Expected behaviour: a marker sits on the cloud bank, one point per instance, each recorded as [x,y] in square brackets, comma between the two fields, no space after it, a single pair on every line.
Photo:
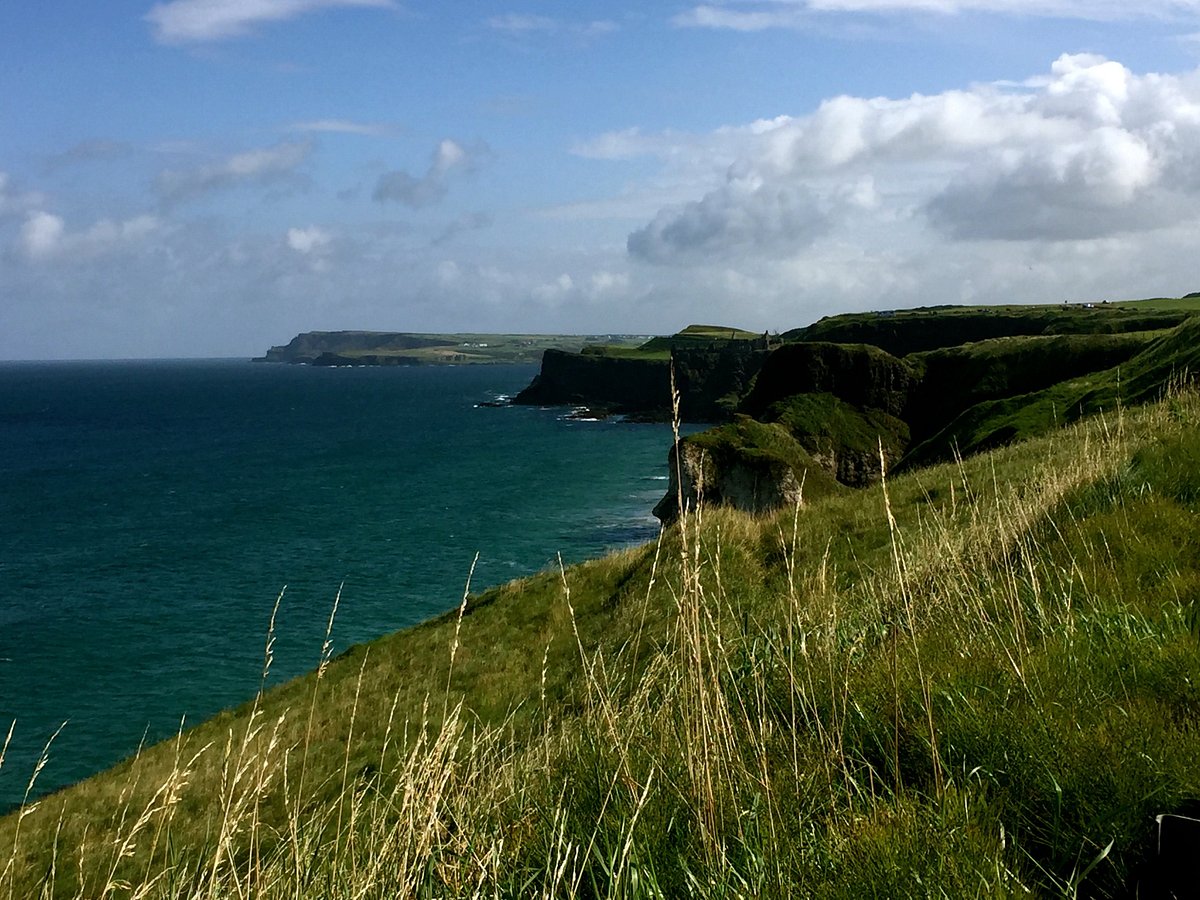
[1088,151]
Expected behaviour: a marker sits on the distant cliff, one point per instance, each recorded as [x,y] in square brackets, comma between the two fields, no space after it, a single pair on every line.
[401,348]
[312,345]
[712,373]
[637,385]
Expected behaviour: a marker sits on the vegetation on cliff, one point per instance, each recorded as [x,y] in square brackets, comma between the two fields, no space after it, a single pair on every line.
[1023,371]
[399,348]
[977,679]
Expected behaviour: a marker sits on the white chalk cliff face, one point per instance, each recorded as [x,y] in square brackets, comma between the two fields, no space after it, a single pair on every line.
[751,484]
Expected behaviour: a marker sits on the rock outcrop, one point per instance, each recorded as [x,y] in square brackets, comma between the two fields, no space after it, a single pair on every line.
[754,483]
[711,379]
[618,384]
[749,465]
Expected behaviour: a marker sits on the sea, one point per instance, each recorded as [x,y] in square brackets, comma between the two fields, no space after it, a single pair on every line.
[151,512]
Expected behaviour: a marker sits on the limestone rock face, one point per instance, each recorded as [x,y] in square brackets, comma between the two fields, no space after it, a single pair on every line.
[752,484]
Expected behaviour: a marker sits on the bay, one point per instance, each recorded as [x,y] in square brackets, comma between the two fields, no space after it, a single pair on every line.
[151,512]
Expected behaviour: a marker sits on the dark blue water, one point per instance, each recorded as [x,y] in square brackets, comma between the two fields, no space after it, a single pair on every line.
[150,512]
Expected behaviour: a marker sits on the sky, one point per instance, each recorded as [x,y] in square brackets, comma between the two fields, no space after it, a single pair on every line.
[207,178]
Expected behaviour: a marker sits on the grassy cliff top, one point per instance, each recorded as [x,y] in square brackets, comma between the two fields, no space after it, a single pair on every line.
[377,347]
[902,332]
[978,679]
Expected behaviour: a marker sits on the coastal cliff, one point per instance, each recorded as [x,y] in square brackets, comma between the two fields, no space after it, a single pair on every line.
[310,346]
[711,376]
[851,411]
[630,385]
[402,348]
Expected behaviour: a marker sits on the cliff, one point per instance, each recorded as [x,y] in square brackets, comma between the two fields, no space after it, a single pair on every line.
[401,348]
[712,373]
[860,375]
[901,332]
[311,345]
[637,385]
[818,415]
[1167,361]
[842,404]
[746,464]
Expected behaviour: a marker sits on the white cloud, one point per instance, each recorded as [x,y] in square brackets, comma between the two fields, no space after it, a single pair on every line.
[342,126]
[41,235]
[267,165]
[44,236]
[740,217]
[197,21]
[760,15]
[554,291]
[450,160]
[1086,151]
[605,282]
[308,240]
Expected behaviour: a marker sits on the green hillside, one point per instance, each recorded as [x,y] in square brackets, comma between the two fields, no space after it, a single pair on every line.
[977,679]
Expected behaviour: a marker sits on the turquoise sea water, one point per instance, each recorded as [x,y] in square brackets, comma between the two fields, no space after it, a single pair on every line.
[150,512]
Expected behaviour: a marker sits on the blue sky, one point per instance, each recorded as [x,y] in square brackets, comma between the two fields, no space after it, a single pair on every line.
[209,177]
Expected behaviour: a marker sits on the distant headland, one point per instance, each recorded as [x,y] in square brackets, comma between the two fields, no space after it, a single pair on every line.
[402,348]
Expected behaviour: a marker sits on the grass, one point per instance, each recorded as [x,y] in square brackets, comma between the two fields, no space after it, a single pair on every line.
[699,336]
[902,332]
[954,379]
[383,348]
[980,679]
[1169,357]
[617,352]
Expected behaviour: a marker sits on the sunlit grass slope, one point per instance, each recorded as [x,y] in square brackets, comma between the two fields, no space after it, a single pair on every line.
[976,680]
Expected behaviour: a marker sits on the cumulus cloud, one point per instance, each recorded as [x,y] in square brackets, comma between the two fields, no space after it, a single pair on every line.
[198,21]
[1087,150]
[760,15]
[450,160]
[308,240]
[44,235]
[738,218]
[269,165]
